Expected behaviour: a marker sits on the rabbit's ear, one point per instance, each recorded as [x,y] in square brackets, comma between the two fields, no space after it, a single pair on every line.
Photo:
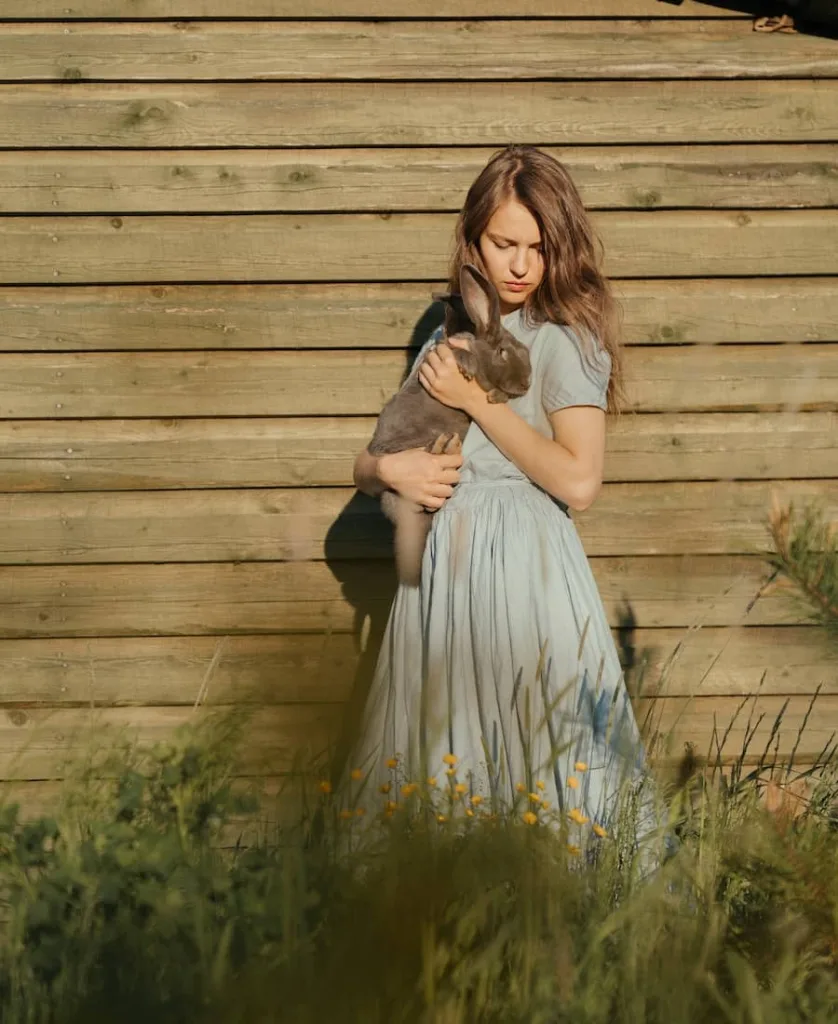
[480,299]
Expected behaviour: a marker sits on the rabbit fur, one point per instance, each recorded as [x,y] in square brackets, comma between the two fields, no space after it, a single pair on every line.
[414,419]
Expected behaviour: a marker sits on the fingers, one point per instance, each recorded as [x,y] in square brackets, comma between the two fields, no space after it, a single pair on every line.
[440,356]
[426,379]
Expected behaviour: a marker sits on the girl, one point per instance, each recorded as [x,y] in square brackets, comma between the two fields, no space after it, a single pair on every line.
[500,667]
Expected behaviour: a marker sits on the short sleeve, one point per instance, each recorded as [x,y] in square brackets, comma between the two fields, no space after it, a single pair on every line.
[571,376]
[437,335]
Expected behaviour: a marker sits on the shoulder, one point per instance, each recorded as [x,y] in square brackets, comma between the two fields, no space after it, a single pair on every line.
[562,345]
[572,372]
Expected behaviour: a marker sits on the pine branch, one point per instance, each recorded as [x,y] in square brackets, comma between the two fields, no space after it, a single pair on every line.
[805,557]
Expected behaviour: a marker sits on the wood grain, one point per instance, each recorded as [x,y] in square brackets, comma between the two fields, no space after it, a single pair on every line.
[287,668]
[334,247]
[285,114]
[291,525]
[434,180]
[35,743]
[387,315]
[177,454]
[386,50]
[330,9]
[678,591]
[73,385]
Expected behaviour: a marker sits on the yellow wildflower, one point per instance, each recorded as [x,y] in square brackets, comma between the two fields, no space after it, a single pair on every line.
[356,774]
[450,759]
[345,814]
[534,798]
[573,849]
[529,817]
[573,782]
[540,785]
[461,787]
[441,817]
[360,811]
[450,771]
[432,780]
[392,805]
[325,786]
[521,788]
[385,788]
[598,830]
[469,813]
[392,762]
[408,788]
[477,800]
[545,805]
[581,766]
[577,816]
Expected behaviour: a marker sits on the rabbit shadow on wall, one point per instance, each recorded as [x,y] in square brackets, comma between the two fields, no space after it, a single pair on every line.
[359,554]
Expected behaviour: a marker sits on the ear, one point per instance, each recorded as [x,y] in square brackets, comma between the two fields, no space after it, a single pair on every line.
[480,299]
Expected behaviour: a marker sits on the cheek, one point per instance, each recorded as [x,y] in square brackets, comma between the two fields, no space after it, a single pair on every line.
[494,262]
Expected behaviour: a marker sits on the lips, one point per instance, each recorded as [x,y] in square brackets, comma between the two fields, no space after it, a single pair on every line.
[515,286]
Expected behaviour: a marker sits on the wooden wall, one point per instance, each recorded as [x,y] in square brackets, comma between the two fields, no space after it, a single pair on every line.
[219,237]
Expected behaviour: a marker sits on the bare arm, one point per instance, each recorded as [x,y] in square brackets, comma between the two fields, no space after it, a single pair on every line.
[425,479]
[569,467]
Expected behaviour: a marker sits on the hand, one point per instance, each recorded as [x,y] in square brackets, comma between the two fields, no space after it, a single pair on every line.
[441,378]
[425,479]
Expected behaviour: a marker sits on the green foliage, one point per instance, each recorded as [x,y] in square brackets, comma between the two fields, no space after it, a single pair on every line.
[805,558]
[138,901]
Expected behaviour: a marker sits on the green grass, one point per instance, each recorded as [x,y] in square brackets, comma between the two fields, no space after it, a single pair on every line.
[136,903]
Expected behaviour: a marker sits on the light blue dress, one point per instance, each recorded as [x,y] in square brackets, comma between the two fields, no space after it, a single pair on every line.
[503,656]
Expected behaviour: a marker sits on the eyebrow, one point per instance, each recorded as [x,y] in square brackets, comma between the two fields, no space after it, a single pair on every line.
[511,241]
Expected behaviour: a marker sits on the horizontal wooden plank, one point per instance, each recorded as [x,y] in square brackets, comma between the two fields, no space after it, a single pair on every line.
[254,247]
[35,743]
[416,114]
[292,181]
[309,668]
[114,455]
[327,9]
[266,597]
[169,670]
[138,51]
[260,383]
[294,525]
[308,247]
[740,661]
[719,726]
[301,316]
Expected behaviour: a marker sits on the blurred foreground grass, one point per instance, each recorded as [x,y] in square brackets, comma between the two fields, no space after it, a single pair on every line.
[135,903]
[152,894]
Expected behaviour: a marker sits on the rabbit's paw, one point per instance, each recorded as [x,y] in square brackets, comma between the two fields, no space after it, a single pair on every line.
[439,447]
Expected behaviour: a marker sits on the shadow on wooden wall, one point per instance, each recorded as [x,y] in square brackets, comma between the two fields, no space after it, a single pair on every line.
[370,605]
[811,17]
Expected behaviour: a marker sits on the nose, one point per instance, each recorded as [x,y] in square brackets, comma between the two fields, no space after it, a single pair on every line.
[520,262]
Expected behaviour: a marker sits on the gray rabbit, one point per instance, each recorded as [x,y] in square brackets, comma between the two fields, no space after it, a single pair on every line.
[414,419]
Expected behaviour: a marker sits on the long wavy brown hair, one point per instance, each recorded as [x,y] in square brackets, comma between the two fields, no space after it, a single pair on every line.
[574,291]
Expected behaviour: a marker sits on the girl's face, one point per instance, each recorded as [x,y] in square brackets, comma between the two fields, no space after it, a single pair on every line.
[512,253]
